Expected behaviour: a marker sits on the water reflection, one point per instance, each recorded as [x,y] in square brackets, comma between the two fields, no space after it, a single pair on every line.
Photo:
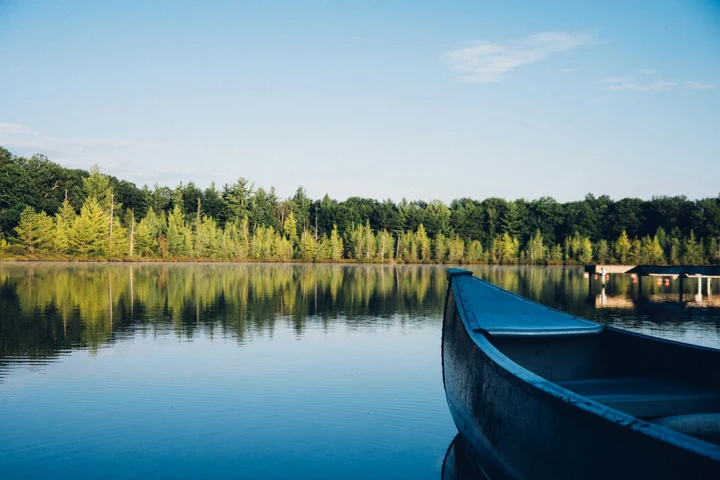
[459,464]
[47,310]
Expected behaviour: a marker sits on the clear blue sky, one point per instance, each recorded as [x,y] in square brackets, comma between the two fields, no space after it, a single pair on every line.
[413,99]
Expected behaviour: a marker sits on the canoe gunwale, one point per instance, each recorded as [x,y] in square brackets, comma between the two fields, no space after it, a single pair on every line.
[540,387]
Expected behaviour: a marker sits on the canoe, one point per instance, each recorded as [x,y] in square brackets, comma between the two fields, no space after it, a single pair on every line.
[539,393]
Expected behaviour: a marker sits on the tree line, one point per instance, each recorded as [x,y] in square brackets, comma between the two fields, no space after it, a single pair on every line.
[47,211]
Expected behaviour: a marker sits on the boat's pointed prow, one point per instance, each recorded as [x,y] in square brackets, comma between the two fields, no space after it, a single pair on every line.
[456,272]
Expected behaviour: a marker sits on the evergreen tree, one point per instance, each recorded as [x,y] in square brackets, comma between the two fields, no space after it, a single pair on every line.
[585,255]
[536,249]
[693,251]
[35,230]
[511,222]
[290,228]
[474,252]
[145,242]
[556,255]
[117,244]
[89,232]
[456,249]
[176,233]
[369,243]
[385,245]
[657,255]
[622,248]
[407,247]
[509,248]
[423,243]
[96,185]
[635,256]
[207,241]
[441,248]
[308,246]
[603,252]
[64,219]
[336,244]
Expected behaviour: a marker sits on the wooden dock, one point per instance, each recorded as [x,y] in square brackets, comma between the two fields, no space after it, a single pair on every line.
[702,271]
[598,269]
[680,272]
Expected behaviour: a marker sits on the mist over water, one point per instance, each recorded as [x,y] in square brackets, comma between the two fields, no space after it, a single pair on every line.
[260,370]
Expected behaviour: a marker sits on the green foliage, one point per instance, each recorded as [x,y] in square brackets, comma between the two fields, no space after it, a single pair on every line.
[536,249]
[96,185]
[693,251]
[239,222]
[622,248]
[35,230]
[308,246]
[336,245]
[90,229]
[423,244]
[178,233]
[603,252]
[385,245]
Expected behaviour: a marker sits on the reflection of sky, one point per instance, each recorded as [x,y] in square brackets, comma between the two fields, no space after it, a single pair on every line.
[333,404]
[354,392]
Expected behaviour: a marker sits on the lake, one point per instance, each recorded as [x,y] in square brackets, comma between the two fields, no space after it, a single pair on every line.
[261,370]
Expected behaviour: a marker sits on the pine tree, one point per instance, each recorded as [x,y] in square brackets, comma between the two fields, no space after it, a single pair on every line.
[635,256]
[35,230]
[693,251]
[441,248]
[176,233]
[622,248]
[336,244]
[511,222]
[556,255]
[308,246]
[144,240]
[118,243]
[509,248]
[290,228]
[474,252]
[96,185]
[357,240]
[369,243]
[423,243]
[585,255]
[90,229]
[536,249]
[407,247]
[64,219]
[456,249]
[657,255]
[385,245]
[603,252]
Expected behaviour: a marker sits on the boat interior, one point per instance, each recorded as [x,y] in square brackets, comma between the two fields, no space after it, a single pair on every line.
[667,383]
[662,382]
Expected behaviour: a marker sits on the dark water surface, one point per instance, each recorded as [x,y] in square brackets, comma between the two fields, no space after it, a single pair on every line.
[260,371]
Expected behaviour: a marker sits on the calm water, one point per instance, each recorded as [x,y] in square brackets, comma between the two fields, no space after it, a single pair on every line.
[259,371]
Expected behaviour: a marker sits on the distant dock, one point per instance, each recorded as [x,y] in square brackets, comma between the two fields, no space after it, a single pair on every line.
[687,271]
[668,271]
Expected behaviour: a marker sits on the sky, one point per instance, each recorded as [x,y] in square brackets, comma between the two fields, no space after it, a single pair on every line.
[417,99]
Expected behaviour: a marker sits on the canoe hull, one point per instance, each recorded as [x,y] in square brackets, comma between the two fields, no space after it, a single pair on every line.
[531,432]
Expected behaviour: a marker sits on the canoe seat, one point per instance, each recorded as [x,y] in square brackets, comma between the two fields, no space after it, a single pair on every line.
[647,397]
[705,426]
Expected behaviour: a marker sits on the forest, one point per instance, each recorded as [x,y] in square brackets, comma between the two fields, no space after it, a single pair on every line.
[49,212]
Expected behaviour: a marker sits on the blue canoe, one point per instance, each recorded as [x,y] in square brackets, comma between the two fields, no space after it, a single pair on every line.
[538,393]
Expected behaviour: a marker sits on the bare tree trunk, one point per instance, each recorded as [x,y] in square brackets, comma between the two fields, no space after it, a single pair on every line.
[132,233]
[112,212]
